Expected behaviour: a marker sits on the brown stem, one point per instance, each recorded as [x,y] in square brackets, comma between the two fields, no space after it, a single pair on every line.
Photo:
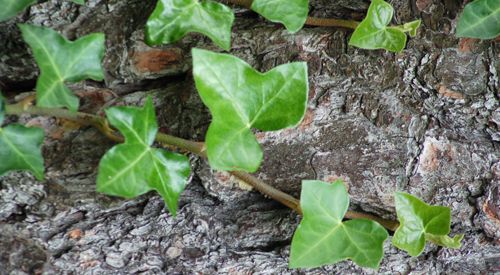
[197,148]
[269,191]
[81,118]
[244,3]
[188,145]
[330,22]
[389,224]
[311,21]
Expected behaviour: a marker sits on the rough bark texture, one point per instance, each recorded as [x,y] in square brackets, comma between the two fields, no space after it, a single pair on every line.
[426,121]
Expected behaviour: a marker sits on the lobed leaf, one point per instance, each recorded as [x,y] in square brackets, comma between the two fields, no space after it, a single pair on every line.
[323,238]
[480,19]
[420,222]
[374,31]
[241,98]
[9,8]
[61,60]
[173,19]
[134,167]
[291,13]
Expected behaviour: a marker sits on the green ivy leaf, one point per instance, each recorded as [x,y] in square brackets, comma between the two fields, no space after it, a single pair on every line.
[173,19]
[411,27]
[20,149]
[323,238]
[291,13]
[374,31]
[420,222]
[480,19]
[12,7]
[61,60]
[79,2]
[241,98]
[444,240]
[134,167]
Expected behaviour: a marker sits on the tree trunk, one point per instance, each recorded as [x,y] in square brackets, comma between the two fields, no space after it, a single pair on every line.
[425,121]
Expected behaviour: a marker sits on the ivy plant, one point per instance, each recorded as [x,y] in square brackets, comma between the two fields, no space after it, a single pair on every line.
[134,167]
[173,19]
[323,238]
[61,60]
[421,222]
[291,13]
[480,19]
[241,98]
[374,31]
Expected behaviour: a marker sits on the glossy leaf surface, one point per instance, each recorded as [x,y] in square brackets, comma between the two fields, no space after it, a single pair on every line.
[291,13]
[323,238]
[61,60]
[480,19]
[420,222]
[134,167]
[241,98]
[374,31]
[9,8]
[20,149]
[173,19]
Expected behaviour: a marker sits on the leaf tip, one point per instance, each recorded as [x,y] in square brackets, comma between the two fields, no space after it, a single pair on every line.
[172,210]
[226,46]
[39,176]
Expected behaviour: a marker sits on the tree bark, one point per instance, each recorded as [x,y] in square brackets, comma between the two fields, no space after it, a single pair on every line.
[425,121]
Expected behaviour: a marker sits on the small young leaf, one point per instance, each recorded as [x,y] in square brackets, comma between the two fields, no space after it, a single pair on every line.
[134,167]
[61,60]
[20,149]
[480,19]
[411,27]
[374,33]
[173,19]
[291,13]
[240,98]
[9,8]
[444,240]
[420,222]
[323,238]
